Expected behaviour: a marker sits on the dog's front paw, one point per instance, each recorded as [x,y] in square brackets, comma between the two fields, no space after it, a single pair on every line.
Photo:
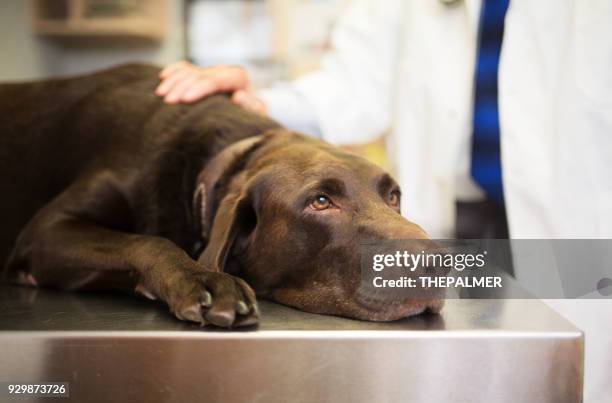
[212,298]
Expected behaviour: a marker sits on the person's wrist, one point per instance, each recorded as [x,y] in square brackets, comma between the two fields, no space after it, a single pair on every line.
[250,101]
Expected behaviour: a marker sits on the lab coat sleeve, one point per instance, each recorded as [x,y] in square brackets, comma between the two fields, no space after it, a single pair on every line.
[348,100]
[289,107]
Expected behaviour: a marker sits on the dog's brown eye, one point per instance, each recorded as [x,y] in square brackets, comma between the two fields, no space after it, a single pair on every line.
[321,202]
[394,198]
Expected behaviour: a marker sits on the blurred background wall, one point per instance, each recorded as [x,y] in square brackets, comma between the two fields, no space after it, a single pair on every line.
[27,53]
[274,38]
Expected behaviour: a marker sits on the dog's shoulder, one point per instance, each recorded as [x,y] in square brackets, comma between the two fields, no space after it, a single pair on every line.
[131,72]
[123,76]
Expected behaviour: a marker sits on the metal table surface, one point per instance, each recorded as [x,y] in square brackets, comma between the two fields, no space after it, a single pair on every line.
[122,348]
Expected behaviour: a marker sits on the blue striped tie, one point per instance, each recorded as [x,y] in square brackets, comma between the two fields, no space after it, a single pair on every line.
[486,163]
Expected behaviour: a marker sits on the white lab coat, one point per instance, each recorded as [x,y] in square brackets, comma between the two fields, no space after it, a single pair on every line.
[408,66]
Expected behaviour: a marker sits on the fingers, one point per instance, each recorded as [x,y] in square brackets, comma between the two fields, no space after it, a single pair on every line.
[176,94]
[198,90]
[171,68]
[171,81]
[182,82]
[212,82]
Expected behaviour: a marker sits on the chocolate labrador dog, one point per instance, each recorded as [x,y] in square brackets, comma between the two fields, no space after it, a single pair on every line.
[204,206]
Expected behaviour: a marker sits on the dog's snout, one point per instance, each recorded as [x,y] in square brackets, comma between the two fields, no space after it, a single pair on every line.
[388,225]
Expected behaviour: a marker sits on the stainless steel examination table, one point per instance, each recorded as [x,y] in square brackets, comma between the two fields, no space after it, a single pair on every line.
[114,348]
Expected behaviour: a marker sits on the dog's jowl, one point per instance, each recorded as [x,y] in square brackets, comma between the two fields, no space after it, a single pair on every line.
[203,206]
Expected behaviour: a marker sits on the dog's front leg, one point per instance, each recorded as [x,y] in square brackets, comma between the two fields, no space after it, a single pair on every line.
[62,250]
[72,254]
[191,292]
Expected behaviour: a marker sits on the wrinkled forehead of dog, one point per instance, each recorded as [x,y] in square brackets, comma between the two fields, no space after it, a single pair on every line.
[297,161]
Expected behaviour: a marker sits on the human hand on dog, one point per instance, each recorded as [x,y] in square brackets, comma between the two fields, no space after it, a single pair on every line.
[183,82]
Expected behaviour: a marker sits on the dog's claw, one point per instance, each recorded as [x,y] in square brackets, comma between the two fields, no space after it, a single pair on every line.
[256,311]
[242,308]
[206,300]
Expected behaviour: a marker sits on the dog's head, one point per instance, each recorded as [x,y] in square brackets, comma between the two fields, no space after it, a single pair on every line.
[288,214]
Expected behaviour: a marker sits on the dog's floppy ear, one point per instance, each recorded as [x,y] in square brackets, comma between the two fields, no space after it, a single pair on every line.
[220,226]
[234,210]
